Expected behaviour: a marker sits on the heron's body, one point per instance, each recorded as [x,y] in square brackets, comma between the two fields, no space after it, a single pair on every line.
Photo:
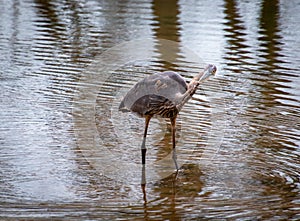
[162,94]
[155,95]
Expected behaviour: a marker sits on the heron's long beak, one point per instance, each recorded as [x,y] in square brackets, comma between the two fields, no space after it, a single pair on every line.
[208,71]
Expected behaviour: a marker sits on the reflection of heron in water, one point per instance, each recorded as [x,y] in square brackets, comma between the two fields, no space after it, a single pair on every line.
[162,94]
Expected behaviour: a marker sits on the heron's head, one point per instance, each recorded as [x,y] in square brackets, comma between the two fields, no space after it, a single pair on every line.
[208,71]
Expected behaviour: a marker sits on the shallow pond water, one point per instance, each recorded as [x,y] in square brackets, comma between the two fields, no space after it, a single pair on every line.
[66,152]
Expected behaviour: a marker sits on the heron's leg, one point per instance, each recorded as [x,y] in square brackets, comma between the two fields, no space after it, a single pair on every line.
[173,127]
[143,183]
[144,150]
[143,147]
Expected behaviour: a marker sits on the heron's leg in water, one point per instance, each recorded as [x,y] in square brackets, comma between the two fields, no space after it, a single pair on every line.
[173,127]
[143,183]
[143,147]
[144,150]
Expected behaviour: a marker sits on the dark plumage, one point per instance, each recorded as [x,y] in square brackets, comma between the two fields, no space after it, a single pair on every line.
[155,95]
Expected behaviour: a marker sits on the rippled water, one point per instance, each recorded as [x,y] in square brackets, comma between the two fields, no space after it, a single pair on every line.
[67,153]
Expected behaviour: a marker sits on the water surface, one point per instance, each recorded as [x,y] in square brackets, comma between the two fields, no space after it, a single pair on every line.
[67,153]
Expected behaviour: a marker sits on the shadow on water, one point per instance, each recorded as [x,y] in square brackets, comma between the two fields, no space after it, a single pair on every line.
[167,26]
[173,189]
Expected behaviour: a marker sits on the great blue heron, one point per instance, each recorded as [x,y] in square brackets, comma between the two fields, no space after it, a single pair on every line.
[162,94]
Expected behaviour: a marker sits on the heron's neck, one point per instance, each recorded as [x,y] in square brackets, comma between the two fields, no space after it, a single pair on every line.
[197,78]
[192,87]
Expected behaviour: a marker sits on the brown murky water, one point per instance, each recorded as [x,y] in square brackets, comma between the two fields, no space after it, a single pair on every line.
[67,153]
